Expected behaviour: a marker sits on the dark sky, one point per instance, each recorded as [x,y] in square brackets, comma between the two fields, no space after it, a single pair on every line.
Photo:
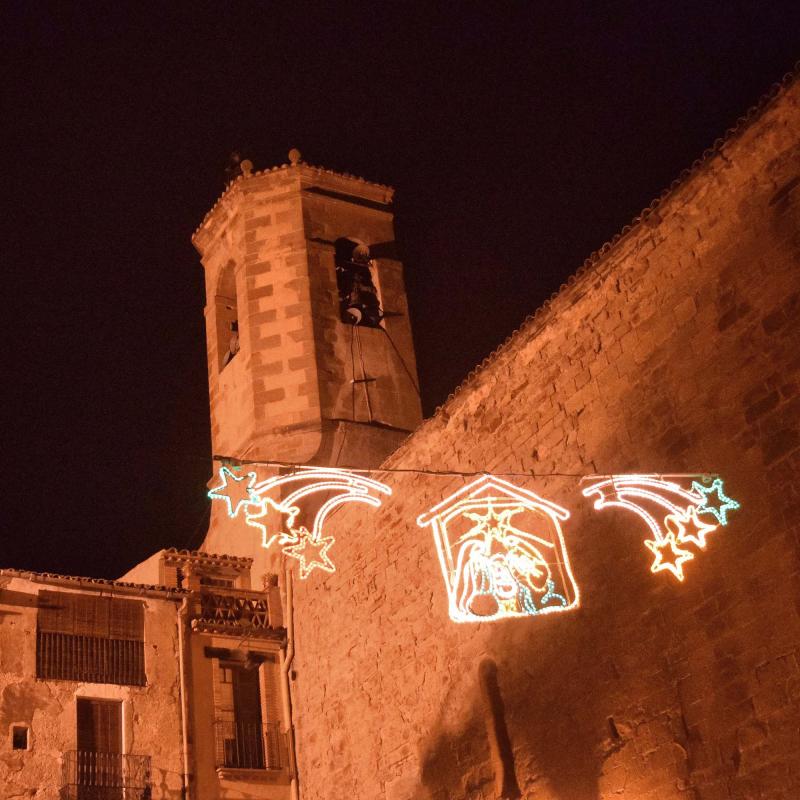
[519,137]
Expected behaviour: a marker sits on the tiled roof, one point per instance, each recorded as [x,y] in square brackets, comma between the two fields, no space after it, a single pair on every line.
[212,559]
[91,583]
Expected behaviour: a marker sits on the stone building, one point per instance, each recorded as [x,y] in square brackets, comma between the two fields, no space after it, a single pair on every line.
[234,676]
[577,581]
[90,688]
[670,361]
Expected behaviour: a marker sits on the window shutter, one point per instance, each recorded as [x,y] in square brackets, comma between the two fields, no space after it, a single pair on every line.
[169,575]
[272,688]
[90,638]
[126,620]
[90,615]
[55,612]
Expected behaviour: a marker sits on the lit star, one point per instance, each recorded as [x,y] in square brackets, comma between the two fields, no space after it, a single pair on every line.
[491,523]
[676,523]
[265,507]
[673,561]
[311,553]
[236,492]
[719,509]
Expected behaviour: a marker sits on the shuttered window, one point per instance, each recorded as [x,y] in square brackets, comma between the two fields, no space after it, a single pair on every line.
[247,723]
[89,638]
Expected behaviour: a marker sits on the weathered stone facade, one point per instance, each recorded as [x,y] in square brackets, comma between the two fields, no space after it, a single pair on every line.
[675,349]
[44,711]
[303,387]
[228,625]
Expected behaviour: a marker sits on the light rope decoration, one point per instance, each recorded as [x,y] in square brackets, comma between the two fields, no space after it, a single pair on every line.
[493,569]
[677,517]
[309,547]
[679,511]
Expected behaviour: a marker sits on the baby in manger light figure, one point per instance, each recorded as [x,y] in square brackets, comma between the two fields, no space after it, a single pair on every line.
[499,569]
[495,569]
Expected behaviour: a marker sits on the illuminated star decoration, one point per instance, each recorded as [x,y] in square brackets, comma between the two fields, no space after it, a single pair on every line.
[671,512]
[492,569]
[341,485]
[719,509]
[668,555]
[311,552]
[258,519]
[688,528]
[235,491]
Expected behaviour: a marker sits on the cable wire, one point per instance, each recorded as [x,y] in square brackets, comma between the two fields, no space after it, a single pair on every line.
[402,361]
[296,468]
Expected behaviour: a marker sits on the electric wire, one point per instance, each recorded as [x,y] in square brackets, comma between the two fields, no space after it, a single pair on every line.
[353,372]
[298,468]
[352,401]
[402,361]
[364,378]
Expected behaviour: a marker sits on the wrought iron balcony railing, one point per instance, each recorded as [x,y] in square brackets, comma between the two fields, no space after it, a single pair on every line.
[249,745]
[105,776]
[232,611]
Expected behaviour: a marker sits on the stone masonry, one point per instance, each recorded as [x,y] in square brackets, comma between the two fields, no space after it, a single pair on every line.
[675,349]
[295,390]
[47,708]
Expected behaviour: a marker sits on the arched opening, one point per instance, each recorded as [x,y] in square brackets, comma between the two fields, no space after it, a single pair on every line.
[227,317]
[359,302]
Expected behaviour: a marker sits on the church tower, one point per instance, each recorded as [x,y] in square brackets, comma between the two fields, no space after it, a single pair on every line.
[310,356]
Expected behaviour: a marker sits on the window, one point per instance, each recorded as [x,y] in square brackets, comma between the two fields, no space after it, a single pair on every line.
[19,737]
[99,755]
[247,727]
[225,583]
[358,296]
[98,769]
[227,317]
[90,638]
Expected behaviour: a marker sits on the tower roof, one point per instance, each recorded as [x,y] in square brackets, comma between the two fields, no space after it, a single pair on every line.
[342,183]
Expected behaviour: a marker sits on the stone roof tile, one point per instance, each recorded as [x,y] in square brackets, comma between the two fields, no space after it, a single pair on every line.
[94,583]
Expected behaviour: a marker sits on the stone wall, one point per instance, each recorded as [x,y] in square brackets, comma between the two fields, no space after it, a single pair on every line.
[675,350]
[303,387]
[151,715]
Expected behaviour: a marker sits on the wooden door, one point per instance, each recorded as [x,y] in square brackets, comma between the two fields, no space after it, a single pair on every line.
[99,749]
[247,713]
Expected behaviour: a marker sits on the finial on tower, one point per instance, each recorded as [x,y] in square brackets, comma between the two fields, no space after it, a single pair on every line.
[237,166]
[294,156]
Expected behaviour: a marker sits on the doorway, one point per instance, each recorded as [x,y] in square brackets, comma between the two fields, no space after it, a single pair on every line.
[99,757]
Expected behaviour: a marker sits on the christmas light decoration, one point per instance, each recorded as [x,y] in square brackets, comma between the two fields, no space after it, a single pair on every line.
[673,561]
[309,547]
[725,503]
[492,568]
[671,512]
[312,553]
[235,491]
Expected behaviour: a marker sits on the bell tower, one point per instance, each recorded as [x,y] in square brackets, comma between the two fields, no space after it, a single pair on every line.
[310,356]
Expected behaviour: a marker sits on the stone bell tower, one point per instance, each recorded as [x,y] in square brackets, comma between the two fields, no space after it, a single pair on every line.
[310,356]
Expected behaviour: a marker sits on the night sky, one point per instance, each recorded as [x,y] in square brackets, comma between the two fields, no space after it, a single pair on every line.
[519,137]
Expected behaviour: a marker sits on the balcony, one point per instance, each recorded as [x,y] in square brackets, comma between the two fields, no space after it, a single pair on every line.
[104,776]
[233,611]
[249,745]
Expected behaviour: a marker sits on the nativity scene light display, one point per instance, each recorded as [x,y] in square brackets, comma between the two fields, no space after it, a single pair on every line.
[500,547]
[502,552]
